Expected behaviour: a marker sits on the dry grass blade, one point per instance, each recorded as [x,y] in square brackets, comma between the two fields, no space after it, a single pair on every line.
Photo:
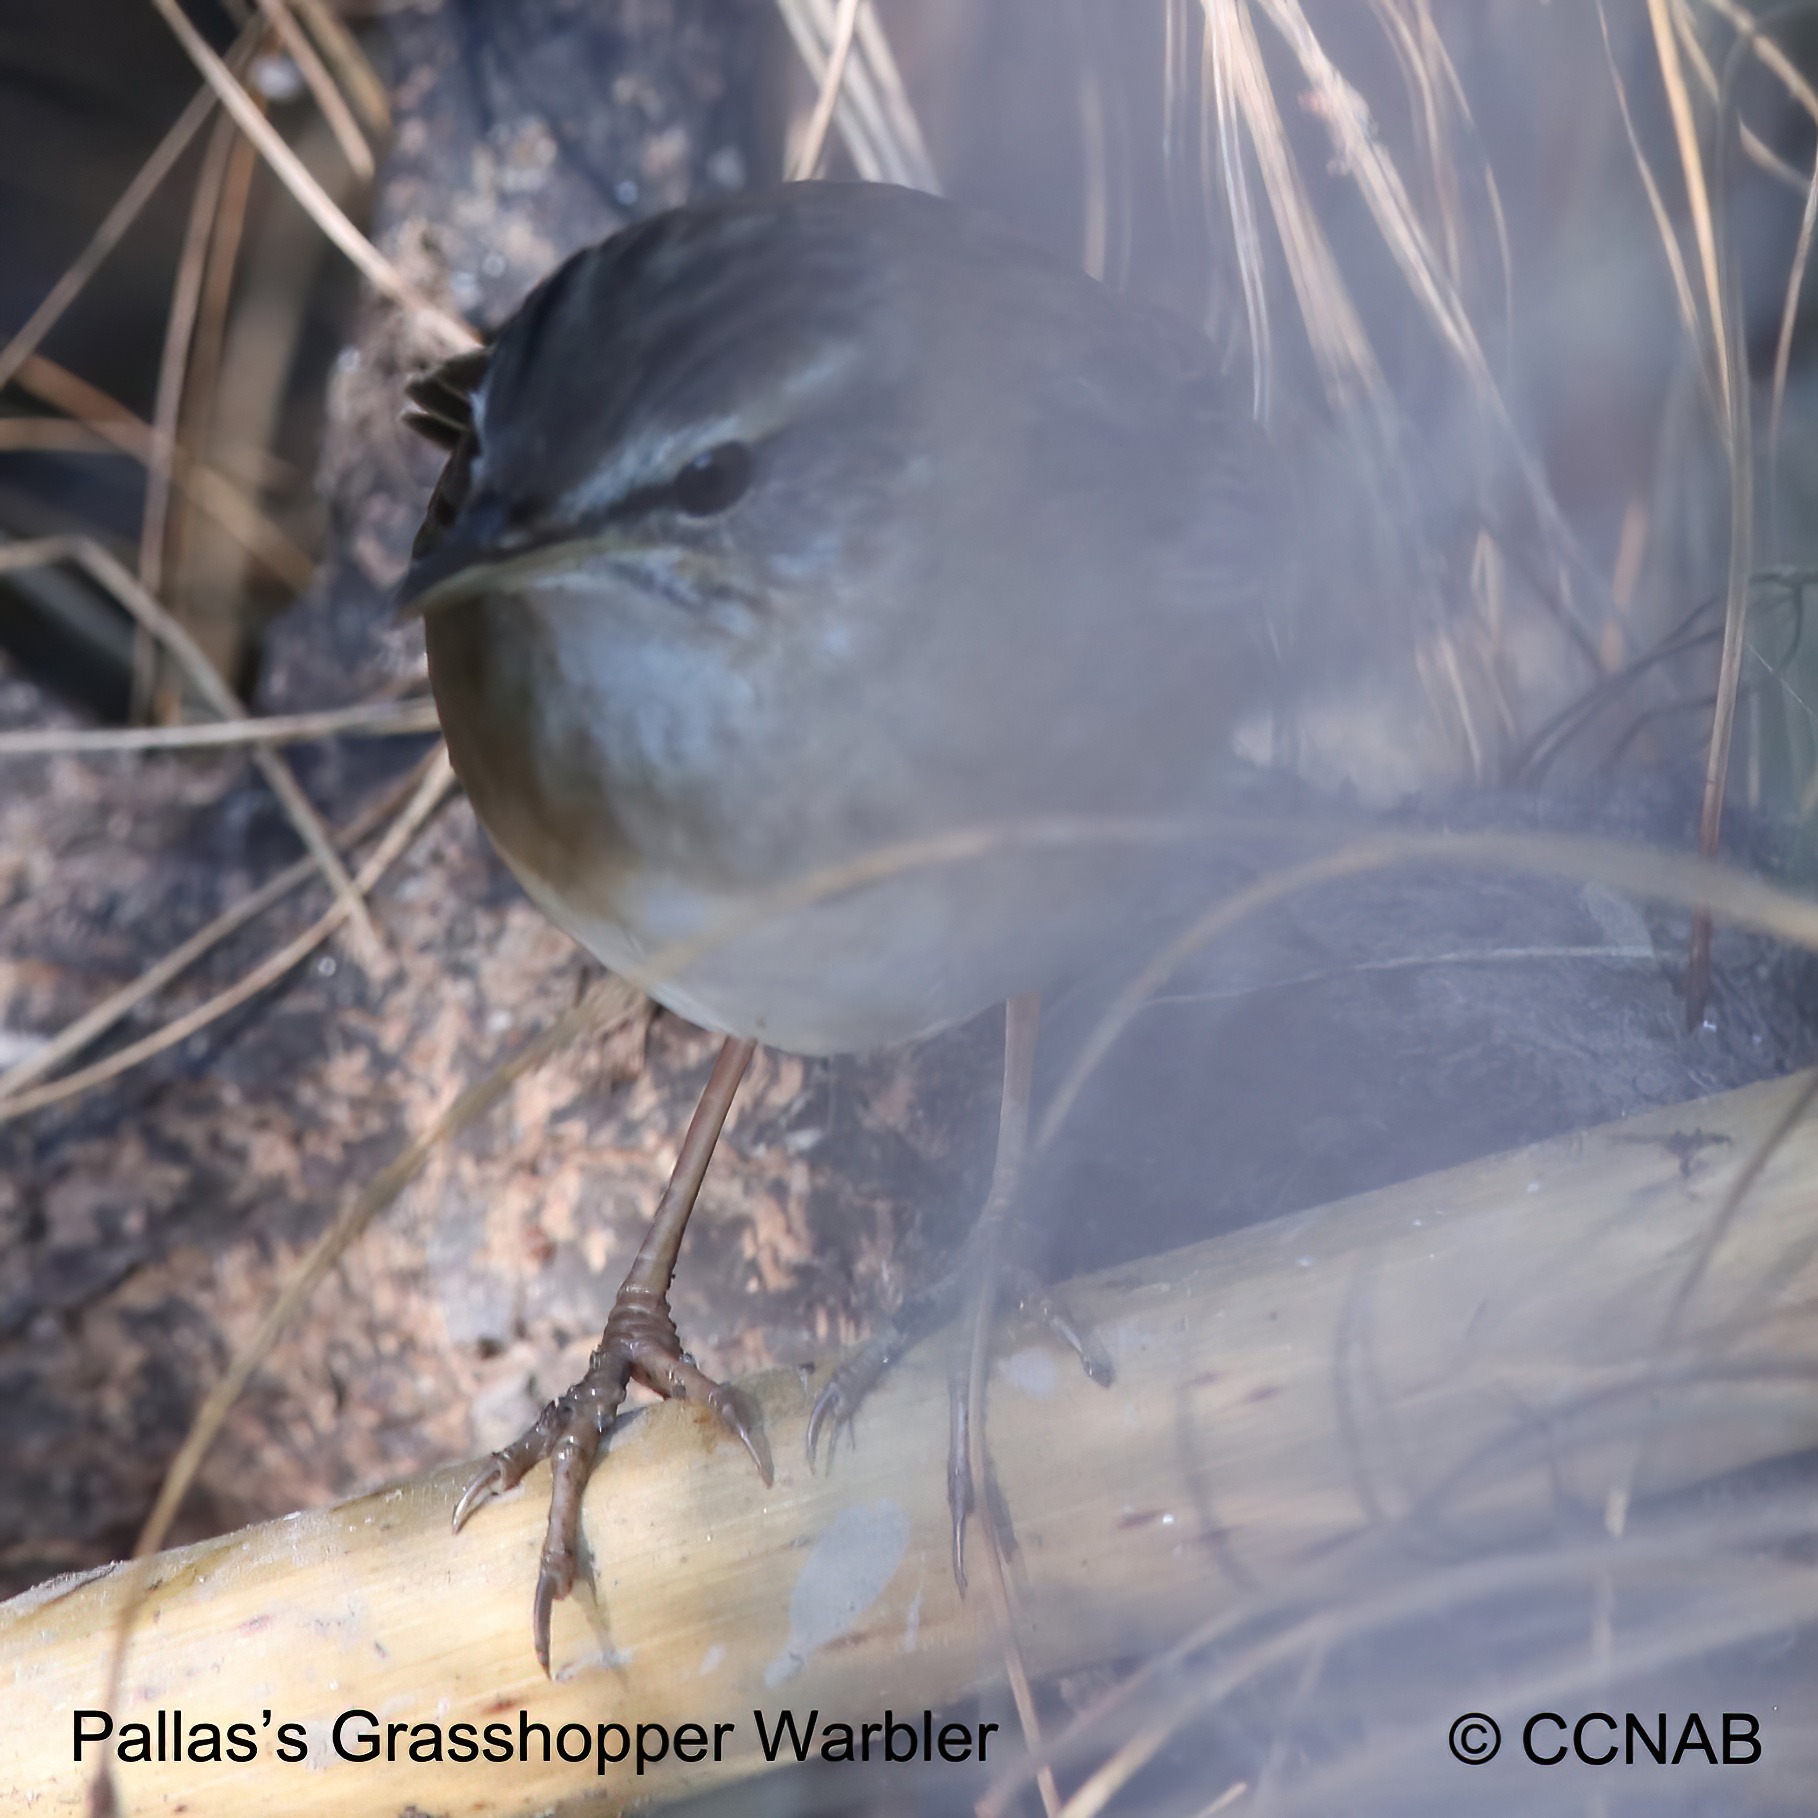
[114,223]
[877,125]
[1696,883]
[1224,164]
[1698,202]
[94,1023]
[179,327]
[435,785]
[310,195]
[322,89]
[212,491]
[357,75]
[1732,333]
[1757,152]
[1177,91]
[1669,240]
[1347,363]
[1413,50]
[814,140]
[1363,156]
[1347,121]
[1446,113]
[904,133]
[1738,1619]
[1783,347]
[1772,56]
[202,673]
[52,435]
[369,719]
[109,573]
[810,28]
[1095,148]
[153,695]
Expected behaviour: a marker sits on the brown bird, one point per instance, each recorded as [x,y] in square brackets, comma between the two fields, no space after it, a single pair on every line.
[789,530]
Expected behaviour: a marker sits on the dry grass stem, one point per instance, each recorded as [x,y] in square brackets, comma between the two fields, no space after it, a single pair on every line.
[1771,55]
[1341,348]
[153,694]
[1732,332]
[1095,151]
[322,89]
[53,435]
[814,140]
[903,131]
[351,65]
[1423,65]
[1669,238]
[310,195]
[173,364]
[94,1023]
[1222,163]
[1367,161]
[429,794]
[117,220]
[1695,883]
[368,719]
[214,492]
[877,124]
[111,574]
[1752,146]
[1698,202]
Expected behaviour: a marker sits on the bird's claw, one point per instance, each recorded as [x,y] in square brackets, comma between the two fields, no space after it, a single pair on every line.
[837,1405]
[1036,1301]
[959,1470]
[640,1341]
[482,1487]
[729,1407]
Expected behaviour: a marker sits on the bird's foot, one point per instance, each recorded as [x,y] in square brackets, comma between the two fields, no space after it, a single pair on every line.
[845,1390]
[1034,1301]
[640,1340]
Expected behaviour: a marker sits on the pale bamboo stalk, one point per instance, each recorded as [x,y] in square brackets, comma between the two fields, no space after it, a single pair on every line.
[1280,1392]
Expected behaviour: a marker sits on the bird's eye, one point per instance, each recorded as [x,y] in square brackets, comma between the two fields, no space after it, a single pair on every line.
[714,480]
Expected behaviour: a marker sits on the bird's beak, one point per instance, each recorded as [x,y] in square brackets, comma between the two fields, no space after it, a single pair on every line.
[459,562]
[478,554]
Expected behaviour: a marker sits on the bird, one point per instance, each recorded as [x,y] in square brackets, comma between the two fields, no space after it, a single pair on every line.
[797,527]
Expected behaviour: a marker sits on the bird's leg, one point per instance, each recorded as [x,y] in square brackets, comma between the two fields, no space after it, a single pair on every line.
[978,1259]
[639,1340]
[966,1439]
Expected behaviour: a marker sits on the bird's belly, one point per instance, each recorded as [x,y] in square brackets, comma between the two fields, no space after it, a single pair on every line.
[743,922]
[866,968]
